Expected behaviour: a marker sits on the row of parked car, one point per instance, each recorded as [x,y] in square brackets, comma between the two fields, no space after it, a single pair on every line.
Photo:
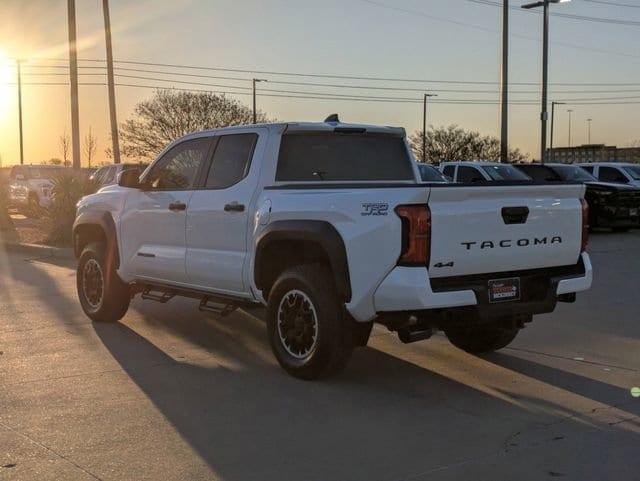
[612,189]
[30,186]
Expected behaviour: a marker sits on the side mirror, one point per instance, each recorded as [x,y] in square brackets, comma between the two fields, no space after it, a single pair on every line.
[129,178]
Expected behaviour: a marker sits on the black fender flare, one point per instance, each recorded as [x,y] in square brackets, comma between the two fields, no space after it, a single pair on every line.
[319,232]
[104,221]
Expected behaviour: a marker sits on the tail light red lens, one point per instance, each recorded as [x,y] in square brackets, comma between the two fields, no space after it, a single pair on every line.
[416,234]
[585,225]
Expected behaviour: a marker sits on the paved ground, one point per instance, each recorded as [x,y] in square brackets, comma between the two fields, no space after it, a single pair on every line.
[171,394]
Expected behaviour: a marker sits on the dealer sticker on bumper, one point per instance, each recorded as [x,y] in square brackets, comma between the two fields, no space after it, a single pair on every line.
[503,290]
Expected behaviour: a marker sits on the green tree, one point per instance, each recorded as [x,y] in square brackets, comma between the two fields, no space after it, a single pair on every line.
[169,115]
[452,143]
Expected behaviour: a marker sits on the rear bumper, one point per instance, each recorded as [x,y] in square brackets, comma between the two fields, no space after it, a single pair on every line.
[408,289]
[611,216]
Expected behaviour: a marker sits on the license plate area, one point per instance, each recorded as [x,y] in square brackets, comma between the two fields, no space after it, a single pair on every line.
[504,290]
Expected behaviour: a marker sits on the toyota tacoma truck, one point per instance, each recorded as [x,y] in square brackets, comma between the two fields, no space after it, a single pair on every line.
[331,228]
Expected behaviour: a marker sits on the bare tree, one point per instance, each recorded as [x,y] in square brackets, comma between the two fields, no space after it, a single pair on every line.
[65,147]
[90,145]
[446,144]
[634,143]
[169,115]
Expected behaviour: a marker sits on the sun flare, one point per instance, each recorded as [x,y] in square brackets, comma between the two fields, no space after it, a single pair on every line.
[6,74]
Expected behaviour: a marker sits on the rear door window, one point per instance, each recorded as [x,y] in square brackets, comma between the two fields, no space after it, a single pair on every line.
[611,174]
[540,173]
[449,171]
[331,156]
[231,160]
[468,175]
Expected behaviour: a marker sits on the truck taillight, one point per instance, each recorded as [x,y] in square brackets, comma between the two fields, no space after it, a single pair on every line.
[585,225]
[416,234]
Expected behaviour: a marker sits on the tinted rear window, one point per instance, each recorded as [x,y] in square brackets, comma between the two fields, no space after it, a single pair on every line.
[572,172]
[505,172]
[540,173]
[343,157]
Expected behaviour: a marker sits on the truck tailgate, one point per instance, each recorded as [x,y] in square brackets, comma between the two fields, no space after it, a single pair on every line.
[493,228]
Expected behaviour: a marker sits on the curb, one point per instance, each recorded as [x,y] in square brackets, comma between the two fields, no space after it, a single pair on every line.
[39,250]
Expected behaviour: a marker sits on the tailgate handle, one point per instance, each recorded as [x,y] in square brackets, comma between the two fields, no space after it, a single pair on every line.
[515,215]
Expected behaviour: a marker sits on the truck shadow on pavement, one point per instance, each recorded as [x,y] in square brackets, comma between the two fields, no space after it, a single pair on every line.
[247,419]
[586,387]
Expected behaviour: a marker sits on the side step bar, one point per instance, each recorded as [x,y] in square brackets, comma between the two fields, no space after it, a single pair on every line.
[216,303]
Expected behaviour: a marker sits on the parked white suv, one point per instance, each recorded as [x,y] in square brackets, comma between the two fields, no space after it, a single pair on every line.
[30,187]
[330,226]
[614,172]
[469,172]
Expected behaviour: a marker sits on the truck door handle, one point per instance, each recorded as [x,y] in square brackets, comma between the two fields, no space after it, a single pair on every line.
[177,206]
[515,215]
[234,207]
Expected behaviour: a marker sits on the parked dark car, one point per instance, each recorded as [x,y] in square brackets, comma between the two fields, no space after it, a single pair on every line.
[610,205]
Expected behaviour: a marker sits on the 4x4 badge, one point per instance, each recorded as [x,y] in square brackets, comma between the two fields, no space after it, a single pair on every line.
[440,265]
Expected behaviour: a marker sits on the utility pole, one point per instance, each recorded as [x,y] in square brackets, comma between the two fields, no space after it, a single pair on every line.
[569,112]
[424,126]
[553,116]
[73,75]
[504,117]
[111,85]
[255,112]
[20,110]
[545,70]
[589,131]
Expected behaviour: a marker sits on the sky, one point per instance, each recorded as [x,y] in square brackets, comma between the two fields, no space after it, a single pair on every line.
[446,42]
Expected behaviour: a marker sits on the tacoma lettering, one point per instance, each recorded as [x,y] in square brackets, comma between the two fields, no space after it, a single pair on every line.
[507,243]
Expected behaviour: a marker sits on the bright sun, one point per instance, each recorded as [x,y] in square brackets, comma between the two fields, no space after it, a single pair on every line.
[6,78]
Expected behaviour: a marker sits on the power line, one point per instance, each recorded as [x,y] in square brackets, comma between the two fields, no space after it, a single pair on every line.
[613,4]
[347,77]
[489,30]
[612,21]
[324,96]
[327,85]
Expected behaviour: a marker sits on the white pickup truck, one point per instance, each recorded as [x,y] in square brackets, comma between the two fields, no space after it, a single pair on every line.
[329,226]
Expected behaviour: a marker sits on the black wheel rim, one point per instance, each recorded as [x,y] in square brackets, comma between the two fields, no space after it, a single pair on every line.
[92,284]
[297,324]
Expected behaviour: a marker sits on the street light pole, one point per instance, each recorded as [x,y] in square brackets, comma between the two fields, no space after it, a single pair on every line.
[545,69]
[20,110]
[424,125]
[553,115]
[589,131]
[115,142]
[504,117]
[569,112]
[73,77]
[255,112]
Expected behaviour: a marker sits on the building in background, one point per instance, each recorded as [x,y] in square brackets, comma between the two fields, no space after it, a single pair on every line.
[593,153]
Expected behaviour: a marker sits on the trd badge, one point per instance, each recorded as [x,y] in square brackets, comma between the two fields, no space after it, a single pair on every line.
[374,208]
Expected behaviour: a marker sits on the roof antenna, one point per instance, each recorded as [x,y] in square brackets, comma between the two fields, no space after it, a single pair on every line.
[333,118]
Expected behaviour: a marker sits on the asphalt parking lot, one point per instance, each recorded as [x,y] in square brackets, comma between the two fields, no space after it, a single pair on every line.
[173,394]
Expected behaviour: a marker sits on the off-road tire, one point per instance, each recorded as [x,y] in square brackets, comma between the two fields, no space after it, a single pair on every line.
[481,339]
[306,294]
[109,299]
